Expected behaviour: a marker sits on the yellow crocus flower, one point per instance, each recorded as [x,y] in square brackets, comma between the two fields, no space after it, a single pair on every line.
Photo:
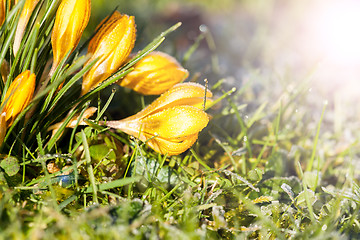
[111,45]
[71,19]
[18,96]
[171,124]
[24,18]
[154,74]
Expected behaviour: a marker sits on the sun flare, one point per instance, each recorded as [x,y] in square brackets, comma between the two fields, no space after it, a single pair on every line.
[337,32]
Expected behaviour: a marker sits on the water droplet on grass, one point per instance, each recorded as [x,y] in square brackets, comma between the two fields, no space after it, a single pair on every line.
[324,227]
[203,28]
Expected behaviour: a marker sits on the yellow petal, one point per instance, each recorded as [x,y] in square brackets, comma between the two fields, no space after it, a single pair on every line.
[2,11]
[164,146]
[71,19]
[175,123]
[18,95]
[111,45]
[154,74]
[24,18]
[181,94]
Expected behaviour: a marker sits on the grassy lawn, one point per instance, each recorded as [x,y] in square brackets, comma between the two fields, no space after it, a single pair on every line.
[276,158]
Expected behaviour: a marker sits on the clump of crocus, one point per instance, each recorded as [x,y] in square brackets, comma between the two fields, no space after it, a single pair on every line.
[23,20]
[171,124]
[18,96]
[71,19]
[154,74]
[111,45]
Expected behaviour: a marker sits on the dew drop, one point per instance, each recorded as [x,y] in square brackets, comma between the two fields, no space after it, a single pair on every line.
[203,28]
[324,227]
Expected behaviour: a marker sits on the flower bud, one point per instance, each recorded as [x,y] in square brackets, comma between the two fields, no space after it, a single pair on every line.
[111,45]
[71,19]
[154,74]
[171,124]
[18,96]
[23,20]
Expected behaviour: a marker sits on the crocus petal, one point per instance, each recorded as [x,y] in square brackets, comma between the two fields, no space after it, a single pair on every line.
[154,74]
[18,95]
[175,122]
[24,18]
[71,19]
[2,11]
[170,148]
[181,94]
[111,45]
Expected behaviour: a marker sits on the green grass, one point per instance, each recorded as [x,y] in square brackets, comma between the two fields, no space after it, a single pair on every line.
[268,166]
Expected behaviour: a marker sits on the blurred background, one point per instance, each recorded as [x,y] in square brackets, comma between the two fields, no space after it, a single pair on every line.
[276,44]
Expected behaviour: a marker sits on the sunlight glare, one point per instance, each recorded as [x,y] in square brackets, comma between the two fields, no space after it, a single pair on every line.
[337,30]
